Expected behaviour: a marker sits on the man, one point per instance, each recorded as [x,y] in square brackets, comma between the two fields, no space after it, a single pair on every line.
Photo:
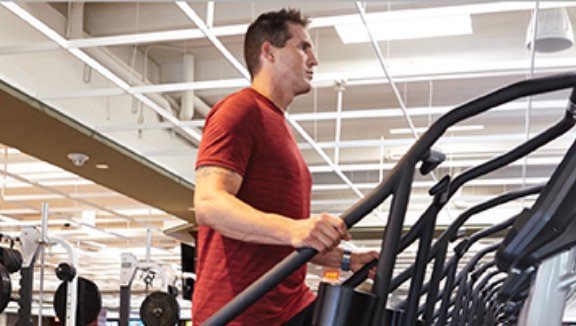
[253,188]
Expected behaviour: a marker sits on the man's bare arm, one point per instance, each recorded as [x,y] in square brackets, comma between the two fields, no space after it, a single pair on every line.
[217,207]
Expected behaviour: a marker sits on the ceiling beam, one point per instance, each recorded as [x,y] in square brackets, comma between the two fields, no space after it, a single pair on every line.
[129,173]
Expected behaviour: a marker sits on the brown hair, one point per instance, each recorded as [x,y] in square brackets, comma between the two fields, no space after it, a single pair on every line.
[271,27]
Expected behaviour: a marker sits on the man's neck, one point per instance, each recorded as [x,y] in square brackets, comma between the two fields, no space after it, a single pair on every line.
[274,94]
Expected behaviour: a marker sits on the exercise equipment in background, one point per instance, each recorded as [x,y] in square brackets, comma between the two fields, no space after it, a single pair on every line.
[71,310]
[158,308]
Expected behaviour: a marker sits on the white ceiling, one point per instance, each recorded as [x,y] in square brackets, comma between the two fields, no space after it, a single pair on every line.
[119,69]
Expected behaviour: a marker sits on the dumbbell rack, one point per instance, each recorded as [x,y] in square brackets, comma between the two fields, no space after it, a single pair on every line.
[32,241]
[129,266]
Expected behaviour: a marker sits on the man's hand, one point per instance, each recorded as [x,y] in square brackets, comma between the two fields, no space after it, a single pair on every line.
[359,259]
[322,232]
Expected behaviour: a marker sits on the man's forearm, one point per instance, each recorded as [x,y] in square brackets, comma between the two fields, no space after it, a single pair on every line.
[235,219]
[332,258]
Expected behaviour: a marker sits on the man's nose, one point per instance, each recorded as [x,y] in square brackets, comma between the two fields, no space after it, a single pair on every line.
[312,60]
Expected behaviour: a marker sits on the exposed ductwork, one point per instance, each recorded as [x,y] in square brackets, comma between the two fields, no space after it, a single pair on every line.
[187,105]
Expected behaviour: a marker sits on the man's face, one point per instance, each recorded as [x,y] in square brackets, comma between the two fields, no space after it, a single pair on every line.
[297,61]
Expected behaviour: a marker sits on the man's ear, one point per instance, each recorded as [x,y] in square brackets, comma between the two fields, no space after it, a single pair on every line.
[267,51]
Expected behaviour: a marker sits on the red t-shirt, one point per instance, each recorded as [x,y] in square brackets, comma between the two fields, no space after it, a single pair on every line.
[247,133]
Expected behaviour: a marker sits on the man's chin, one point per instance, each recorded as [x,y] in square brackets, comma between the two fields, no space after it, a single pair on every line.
[305,89]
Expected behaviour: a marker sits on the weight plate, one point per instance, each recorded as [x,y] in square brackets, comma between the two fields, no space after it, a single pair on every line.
[5,288]
[89,301]
[11,259]
[160,309]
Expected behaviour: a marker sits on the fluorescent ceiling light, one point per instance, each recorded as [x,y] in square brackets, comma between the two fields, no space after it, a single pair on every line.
[428,184]
[11,183]
[408,131]
[40,176]
[11,150]
[8,182]
[555,160]
[417,111]
[88,217]
[17,211]
[66,183]
[470,9]
[149,211]
[4,218]
[400,29]
[34,167]
[32,197]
